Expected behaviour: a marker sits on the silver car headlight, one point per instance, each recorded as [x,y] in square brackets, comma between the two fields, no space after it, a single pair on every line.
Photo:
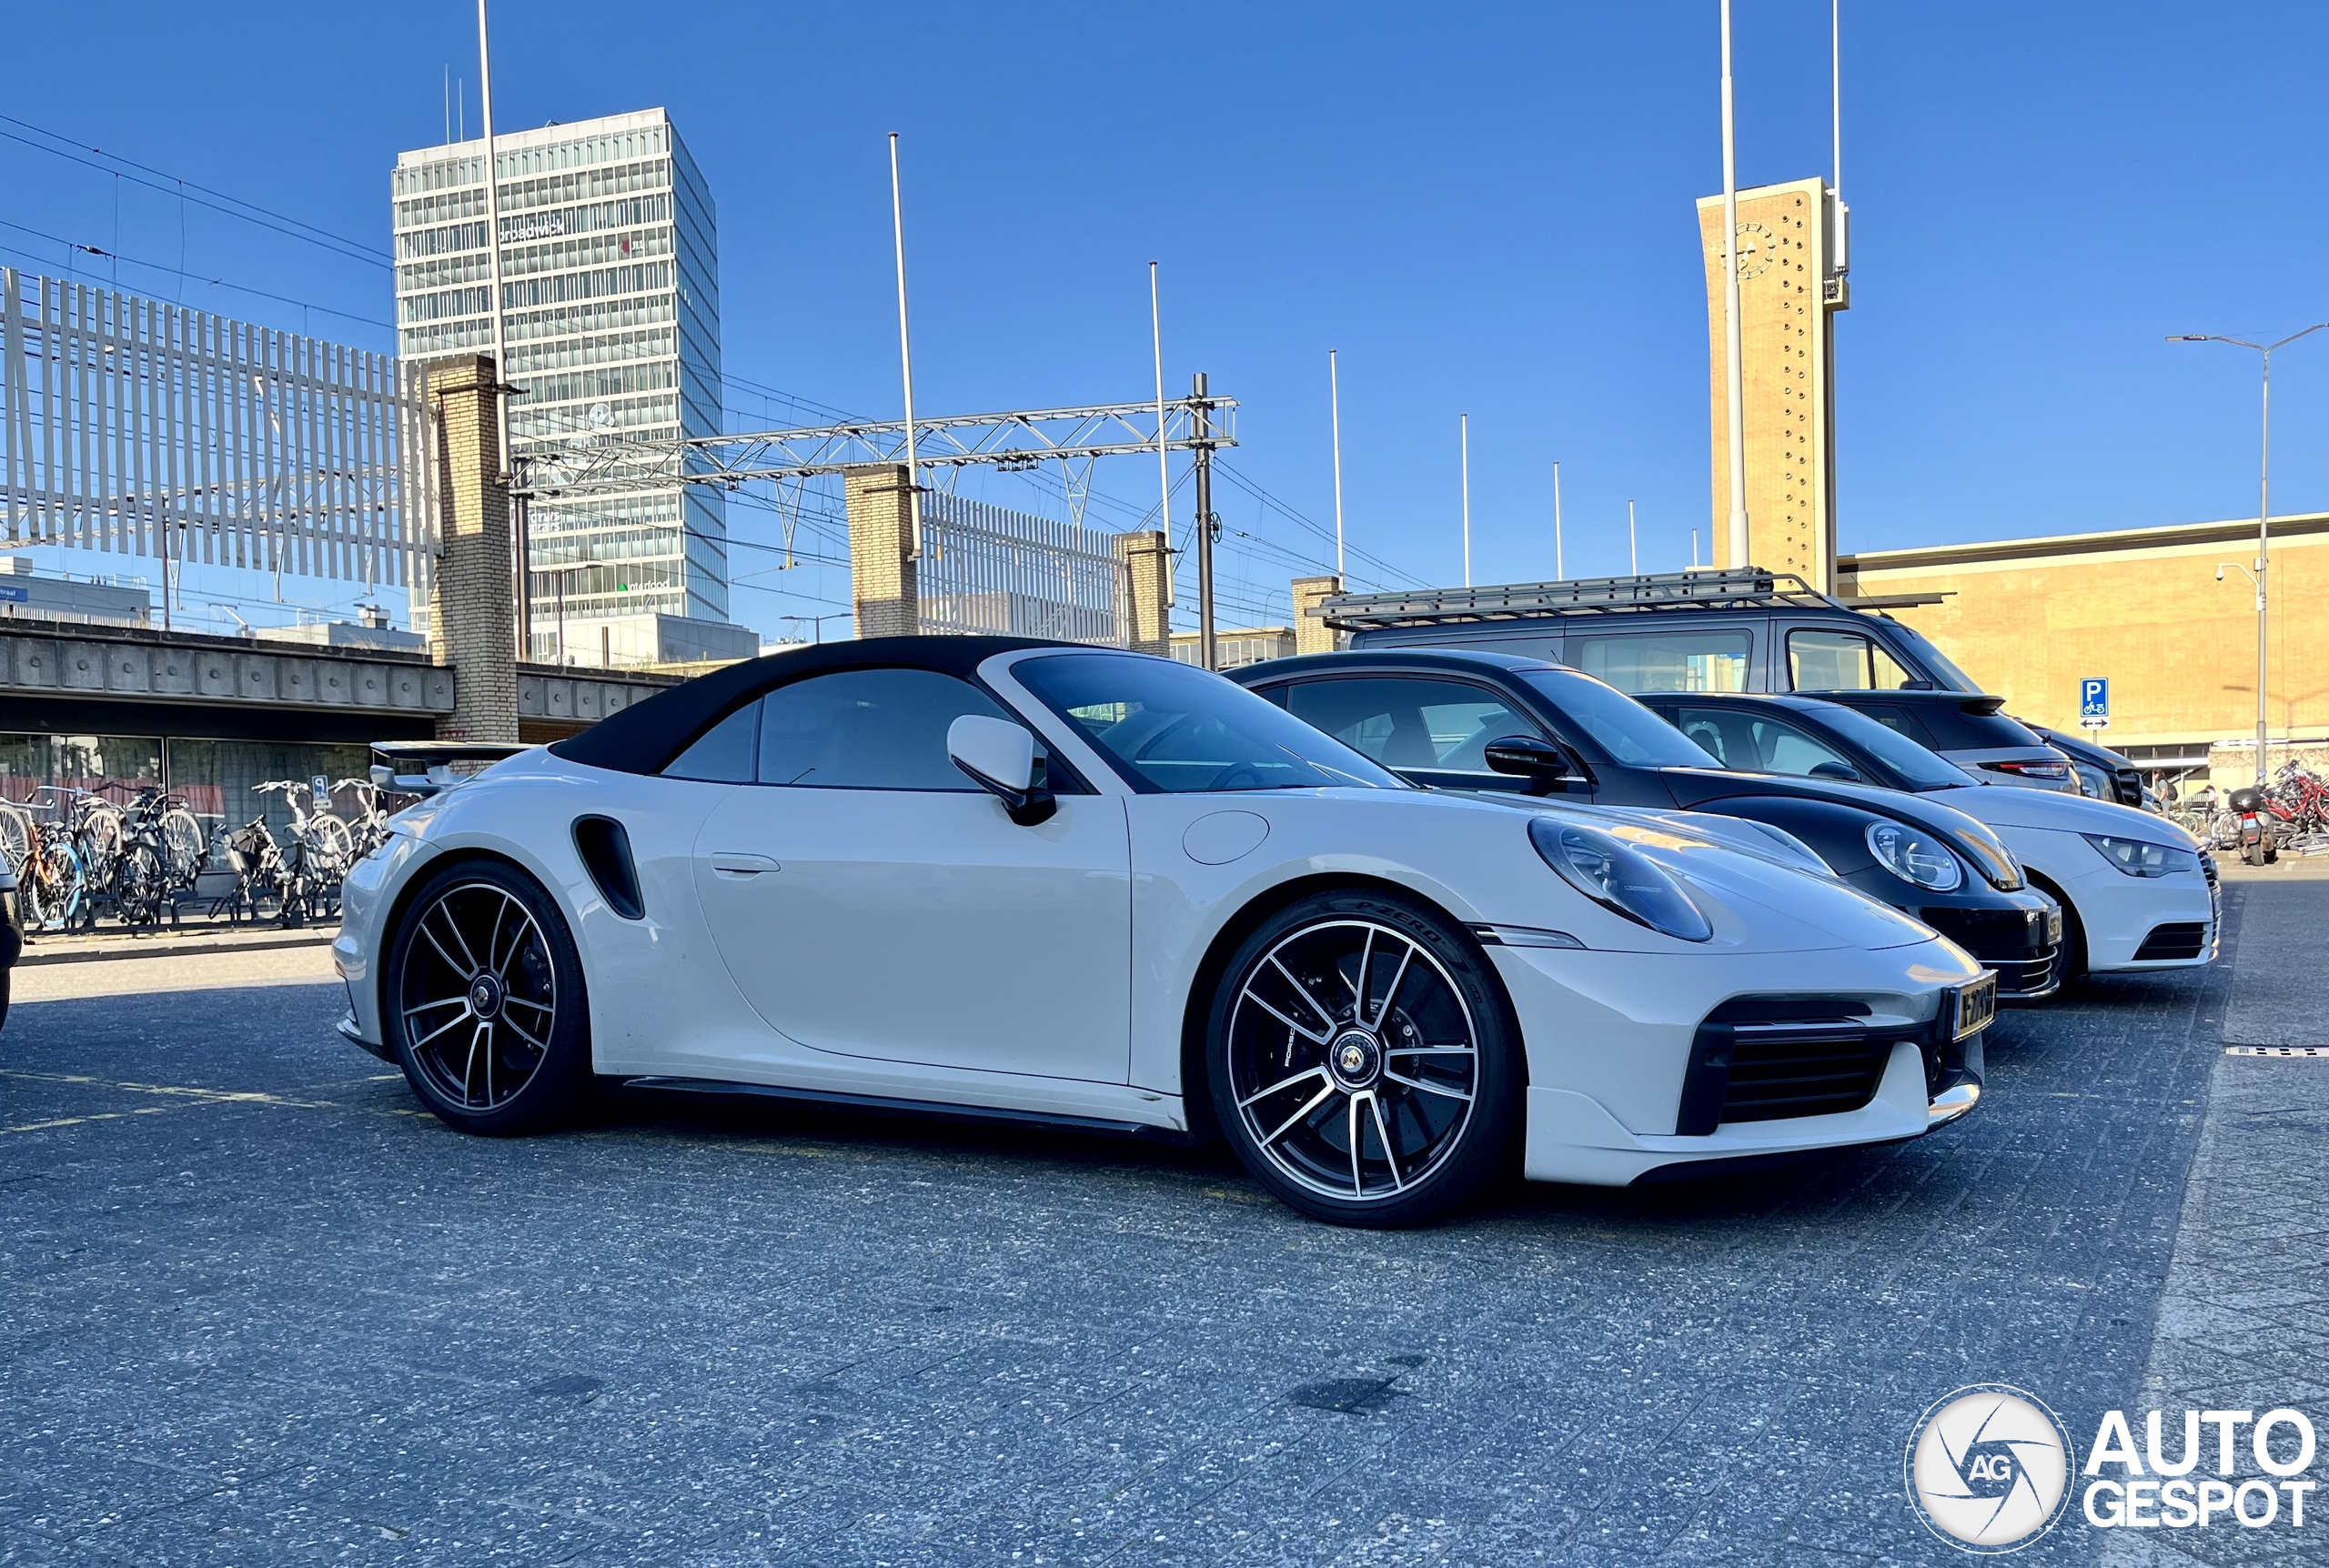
[1619,877]
[1915,857]
[2139,858]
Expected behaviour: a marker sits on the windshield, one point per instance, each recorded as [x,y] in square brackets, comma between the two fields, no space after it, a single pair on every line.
[1917,767]
[1176,729]
[1950,677]
[1628,732]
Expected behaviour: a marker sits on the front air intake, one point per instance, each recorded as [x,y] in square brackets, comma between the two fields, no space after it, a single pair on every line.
[605,848]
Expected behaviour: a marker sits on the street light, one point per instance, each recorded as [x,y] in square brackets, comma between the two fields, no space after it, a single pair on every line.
[2264,518]
[561,573]
[817,622]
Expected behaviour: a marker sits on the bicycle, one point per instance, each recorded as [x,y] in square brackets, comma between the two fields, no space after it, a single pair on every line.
[162,852]
[369,831]
[322,849]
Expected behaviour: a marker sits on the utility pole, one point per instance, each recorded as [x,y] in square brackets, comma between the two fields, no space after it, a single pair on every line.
[522,585]
[1734,384]
[1465,425]
[905,351]
[1633,540]
[1163,465]
[1561,567]
[2263,519]
[1201,414]
[1334,394]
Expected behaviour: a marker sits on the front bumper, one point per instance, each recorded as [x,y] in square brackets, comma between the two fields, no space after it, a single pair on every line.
[2024,946]
[1618,1056]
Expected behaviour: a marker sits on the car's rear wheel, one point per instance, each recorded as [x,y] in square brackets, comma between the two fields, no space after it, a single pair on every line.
[484,1002]
[1362,1060]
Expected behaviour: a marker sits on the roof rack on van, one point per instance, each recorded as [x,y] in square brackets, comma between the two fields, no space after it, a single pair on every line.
[1738,588]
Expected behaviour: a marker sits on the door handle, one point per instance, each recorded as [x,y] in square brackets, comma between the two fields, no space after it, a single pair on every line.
[730,864]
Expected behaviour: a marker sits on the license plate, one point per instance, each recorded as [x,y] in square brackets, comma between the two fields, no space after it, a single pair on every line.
[2054,927]
[1976,1004]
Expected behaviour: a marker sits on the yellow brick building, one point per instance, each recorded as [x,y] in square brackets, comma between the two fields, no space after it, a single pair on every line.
[2030,619]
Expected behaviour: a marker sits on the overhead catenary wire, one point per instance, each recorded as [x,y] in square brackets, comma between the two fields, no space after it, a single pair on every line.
[179,271]
[264,217]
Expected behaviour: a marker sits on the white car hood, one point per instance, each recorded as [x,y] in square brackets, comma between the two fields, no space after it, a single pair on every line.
[1755,902]
[2049,809]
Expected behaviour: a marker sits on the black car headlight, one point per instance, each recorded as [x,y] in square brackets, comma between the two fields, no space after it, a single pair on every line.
[1619,877]
[2139,858]
[1915,857]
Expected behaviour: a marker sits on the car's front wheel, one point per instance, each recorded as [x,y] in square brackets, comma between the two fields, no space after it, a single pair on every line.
[484,1002]
[1362,1060]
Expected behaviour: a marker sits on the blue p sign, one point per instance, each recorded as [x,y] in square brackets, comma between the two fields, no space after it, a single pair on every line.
[2094,698]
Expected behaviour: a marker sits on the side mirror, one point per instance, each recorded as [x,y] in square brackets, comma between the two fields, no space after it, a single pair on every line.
[1844,772]
[1000,757]
[1545,765]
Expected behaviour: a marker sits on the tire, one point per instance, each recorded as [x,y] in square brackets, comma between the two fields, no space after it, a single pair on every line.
[2252,854]
[1304,1085]
[183,845]
[140,883]
[504,1056]
[15,837]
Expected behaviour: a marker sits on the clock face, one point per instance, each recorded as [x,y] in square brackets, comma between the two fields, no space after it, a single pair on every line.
[1757,250]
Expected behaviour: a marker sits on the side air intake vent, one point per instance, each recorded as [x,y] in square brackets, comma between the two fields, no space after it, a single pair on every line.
[605,850]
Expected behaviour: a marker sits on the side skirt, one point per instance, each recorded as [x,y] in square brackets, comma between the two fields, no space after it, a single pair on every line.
[980,1115]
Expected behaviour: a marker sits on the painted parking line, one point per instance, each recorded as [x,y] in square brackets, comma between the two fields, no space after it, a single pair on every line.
[187,1097]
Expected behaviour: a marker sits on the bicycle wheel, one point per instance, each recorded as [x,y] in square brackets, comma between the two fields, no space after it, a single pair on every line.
[64,888]
[140,882]
[15,837]
[101,839]
[332,846]
[182,845]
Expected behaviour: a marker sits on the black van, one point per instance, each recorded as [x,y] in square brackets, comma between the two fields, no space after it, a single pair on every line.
[1744,630]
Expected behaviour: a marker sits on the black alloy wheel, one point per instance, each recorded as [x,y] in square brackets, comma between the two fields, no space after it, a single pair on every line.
[1362,1060]
[484,1003]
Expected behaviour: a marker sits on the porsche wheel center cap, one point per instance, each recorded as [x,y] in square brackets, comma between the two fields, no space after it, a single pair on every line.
[1353,1058]
[485,996]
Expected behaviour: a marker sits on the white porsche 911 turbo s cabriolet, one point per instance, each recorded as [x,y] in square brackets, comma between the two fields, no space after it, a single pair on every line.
[1050,882]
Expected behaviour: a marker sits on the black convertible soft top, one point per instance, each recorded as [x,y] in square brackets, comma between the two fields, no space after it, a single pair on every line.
[646,736]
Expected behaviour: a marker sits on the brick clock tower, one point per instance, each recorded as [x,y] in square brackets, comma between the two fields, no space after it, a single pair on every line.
[1789,293]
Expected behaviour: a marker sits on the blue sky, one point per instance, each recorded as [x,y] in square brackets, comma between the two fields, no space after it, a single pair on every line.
[1486,209]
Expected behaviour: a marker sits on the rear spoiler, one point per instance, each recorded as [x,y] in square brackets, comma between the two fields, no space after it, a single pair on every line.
[426,766]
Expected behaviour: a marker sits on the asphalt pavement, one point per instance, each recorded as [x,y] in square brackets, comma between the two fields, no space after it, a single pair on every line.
[261,1310]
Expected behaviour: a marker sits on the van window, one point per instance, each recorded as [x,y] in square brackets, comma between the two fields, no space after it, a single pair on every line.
[1842,661]
[1663,660]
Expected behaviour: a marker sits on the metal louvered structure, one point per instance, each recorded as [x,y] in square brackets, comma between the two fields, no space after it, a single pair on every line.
[138,427]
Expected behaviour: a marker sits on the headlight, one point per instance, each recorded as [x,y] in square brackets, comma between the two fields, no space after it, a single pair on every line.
[1915,857]
[1617,877]
[2138,858]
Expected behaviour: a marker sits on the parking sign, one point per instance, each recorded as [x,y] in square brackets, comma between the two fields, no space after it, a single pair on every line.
[2094,703]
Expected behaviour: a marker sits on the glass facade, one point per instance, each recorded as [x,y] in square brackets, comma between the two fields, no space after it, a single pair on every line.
[216,777]
[610,314]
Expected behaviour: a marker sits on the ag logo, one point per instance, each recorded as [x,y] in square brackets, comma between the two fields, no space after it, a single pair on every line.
[1988,1469]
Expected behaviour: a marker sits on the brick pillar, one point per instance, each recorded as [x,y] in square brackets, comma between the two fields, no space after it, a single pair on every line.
[883,580]
[1147,612]
[473,617]
[1311,635]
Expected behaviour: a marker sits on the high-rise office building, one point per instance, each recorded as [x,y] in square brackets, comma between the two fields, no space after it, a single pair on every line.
[611,285]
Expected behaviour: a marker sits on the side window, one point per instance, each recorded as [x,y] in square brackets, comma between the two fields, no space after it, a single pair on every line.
[1842,661]
[1724,733]
[1445,725]
[1906,722]
[868,729]
[1784,748]
[1665,661]
[723,754]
